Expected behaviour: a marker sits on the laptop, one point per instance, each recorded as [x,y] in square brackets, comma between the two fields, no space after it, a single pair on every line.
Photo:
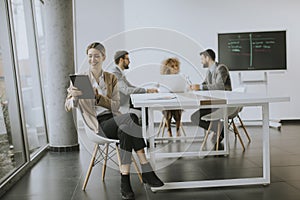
[171,83]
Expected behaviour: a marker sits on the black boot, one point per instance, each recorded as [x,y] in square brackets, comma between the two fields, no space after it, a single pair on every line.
[149,177]
[126,190]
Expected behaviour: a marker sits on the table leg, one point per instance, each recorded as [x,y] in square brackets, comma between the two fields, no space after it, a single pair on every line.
[266,143]
[226,135]
[151,136]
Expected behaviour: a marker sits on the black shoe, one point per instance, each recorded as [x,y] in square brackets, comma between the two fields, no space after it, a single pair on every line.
[127,195]
[151,179]
[126,190]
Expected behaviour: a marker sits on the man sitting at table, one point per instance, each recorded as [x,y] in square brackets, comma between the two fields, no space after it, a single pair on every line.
[125,87]
[217,78]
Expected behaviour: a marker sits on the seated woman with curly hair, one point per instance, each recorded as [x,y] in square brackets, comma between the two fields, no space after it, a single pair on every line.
[171,66]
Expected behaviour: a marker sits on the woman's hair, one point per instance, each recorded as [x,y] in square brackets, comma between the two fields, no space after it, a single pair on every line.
[98,46]
[170,66]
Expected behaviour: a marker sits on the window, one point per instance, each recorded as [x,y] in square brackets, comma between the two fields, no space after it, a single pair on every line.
[29,76]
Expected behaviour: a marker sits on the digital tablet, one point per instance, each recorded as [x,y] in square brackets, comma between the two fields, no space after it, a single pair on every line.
[83,83]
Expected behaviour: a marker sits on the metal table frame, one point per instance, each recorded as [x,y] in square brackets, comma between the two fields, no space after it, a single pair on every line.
[152,102]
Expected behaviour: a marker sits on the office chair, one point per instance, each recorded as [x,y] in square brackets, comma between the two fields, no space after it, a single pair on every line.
[102,146]
[242,90]
[217,115]
[241,124]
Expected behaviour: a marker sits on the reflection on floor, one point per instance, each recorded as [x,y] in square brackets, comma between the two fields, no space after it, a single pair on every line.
[60,175]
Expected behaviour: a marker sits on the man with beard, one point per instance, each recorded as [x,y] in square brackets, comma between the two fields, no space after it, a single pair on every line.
[217,78]
[125,87]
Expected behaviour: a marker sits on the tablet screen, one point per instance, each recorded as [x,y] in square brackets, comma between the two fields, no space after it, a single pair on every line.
[82,82]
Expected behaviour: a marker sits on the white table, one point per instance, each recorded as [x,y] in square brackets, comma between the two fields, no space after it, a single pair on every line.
[207,99]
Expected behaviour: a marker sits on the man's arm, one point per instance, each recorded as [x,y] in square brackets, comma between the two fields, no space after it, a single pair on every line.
[222,74]
[203,85]
[125,87]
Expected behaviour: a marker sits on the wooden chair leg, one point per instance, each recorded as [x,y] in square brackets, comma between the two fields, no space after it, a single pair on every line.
[163,128]
[169,128]
[90,167]
[137,169]
[206,136]
[236,132]
[92,164]
[105,161]
[242,124]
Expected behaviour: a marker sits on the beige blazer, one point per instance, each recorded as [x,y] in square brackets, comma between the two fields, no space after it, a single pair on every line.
[87,106]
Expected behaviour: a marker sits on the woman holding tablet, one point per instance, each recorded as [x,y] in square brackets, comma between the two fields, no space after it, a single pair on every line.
[110,122]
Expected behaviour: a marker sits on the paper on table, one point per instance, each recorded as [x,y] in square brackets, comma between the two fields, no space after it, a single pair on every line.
[163,98]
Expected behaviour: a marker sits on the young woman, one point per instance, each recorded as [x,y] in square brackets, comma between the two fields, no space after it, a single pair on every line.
[102,115]
[171,66]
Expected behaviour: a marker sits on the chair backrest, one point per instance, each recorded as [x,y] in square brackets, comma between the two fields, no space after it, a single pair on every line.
[97,138]
[93,136]
[232,112]
[219,113]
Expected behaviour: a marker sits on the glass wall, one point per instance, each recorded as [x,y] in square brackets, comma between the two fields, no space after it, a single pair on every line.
[11,150]
[22,118]
[29,76]
[40,37]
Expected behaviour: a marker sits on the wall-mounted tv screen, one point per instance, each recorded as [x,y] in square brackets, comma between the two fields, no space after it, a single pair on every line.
[253,50]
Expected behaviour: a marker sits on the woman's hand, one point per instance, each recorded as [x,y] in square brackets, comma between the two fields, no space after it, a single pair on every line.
[75,92]
[96,92]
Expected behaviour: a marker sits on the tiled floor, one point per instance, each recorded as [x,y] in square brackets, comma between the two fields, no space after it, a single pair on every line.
[59,176]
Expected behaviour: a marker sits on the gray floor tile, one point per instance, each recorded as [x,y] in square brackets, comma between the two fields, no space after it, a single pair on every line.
[61,175]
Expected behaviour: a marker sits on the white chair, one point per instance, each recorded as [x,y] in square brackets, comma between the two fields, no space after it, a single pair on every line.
[102,146]
[218,115]
[242,90]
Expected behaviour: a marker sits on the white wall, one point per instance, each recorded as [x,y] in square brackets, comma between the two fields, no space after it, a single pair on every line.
[203,20]
[97,20]
[153,30]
